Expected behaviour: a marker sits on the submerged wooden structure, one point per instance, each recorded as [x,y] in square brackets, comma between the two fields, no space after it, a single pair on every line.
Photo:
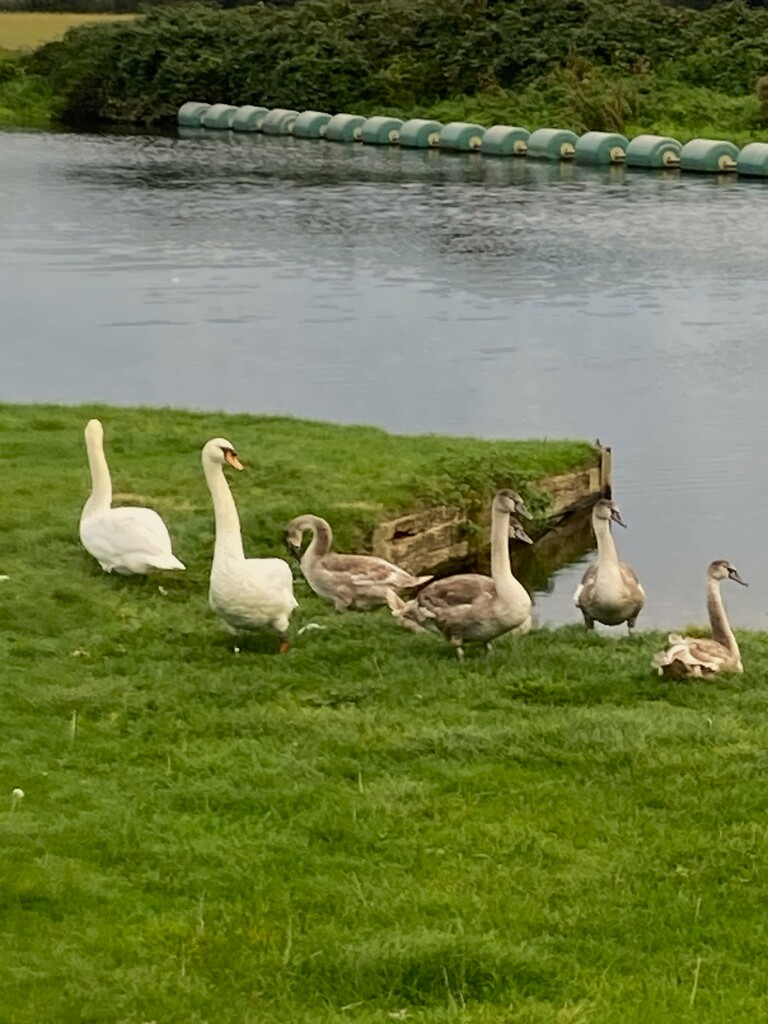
[436,540]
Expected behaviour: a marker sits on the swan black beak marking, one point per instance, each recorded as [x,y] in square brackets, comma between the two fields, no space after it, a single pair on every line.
[733,575]
[616,517]
[232,459]
[293,547]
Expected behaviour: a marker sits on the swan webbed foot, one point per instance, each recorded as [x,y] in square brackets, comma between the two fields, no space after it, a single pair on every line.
[589,622]
[456,641]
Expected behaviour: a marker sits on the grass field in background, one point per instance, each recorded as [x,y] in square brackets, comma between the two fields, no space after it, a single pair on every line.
[24,30]
[362,830]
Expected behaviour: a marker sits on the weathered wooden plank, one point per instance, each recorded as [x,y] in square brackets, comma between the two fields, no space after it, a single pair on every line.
[433,538]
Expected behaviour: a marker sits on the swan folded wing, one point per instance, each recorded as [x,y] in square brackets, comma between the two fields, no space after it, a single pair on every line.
[629,574]
[130,533]
[270,575]
[365,570]
[587,581]
[260,593]
[586,589]
[692,656]
[455,597]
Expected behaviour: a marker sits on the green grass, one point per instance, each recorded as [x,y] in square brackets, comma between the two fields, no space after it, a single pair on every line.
[26,100]
[363,829]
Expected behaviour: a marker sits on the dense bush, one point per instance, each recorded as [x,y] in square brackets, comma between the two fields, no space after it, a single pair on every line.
[338,54]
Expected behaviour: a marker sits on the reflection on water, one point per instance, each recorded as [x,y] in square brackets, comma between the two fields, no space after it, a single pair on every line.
[421,291]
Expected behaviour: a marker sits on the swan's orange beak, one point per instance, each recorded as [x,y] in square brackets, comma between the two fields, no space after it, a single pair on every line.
[233,460]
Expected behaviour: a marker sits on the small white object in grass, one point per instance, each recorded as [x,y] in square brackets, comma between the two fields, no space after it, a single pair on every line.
[310,625]
[162,590]
[16,796]
[4,578]
[236,650]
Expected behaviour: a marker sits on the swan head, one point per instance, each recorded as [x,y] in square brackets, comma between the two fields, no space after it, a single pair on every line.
[294,534]
[722,569]
[294,531]
[219,452]
[510,501]
[516,532]
[607,510]
[94,431]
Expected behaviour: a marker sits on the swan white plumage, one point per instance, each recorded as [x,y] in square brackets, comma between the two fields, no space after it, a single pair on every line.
[247,593]
[127,540]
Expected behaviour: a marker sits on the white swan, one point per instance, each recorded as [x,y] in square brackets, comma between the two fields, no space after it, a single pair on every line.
[127,540]
[248,593]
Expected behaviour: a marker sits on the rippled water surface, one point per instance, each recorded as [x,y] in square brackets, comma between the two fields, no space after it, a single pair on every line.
[421,292]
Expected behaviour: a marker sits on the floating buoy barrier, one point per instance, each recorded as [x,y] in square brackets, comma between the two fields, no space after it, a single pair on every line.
[218,115]
[311,124]
[381,131]
[599,148]
[556,144]
[505,140]
[653,151]
[709,155]
[191,114]
[279,121]
[418,133]
[753,160]
[552,144]
[462,136]
[344,128]
[249,119]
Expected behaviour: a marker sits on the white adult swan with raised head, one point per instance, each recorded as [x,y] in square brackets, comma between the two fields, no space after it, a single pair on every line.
[128,540]
[248,593]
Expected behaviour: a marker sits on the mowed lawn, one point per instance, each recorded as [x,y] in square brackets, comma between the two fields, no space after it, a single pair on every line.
[23,30]
[363,829]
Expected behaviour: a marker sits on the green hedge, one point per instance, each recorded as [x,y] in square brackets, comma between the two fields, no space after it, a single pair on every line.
[339,54]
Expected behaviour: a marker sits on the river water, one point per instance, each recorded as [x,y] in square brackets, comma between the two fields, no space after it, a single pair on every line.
[422,292]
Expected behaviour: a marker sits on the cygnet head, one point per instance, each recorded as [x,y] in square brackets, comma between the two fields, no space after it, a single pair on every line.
[219,451]
[516,532]
[510,501]
[605,509]
[294,533]
[722,569]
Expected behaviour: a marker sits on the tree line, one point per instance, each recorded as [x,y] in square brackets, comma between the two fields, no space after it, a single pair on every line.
[340,54]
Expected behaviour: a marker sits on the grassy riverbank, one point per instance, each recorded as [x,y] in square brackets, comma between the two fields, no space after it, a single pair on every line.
[362,829]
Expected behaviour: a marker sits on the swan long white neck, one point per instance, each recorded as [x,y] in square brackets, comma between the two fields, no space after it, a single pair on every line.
[229,540]
[507,587]
[100,499]
[718,620]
